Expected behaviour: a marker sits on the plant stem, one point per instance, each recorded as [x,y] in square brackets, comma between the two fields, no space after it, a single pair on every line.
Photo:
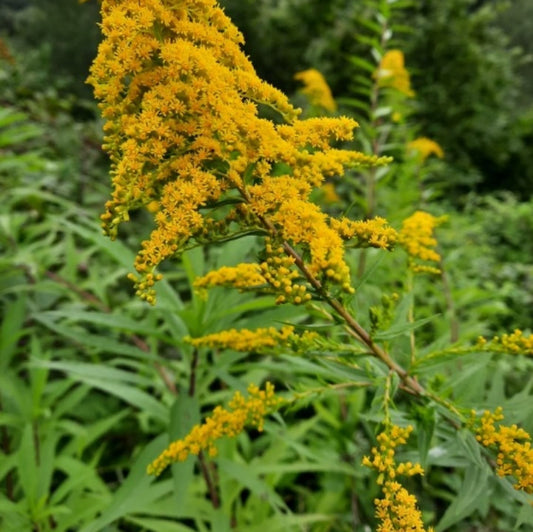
[213,493]
[192,378]
[6,449]
[411,384]
[411,312]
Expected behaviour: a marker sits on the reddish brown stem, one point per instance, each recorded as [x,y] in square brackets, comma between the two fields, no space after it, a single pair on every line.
[213,493]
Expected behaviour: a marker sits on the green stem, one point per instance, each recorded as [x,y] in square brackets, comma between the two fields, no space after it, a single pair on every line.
[411,312]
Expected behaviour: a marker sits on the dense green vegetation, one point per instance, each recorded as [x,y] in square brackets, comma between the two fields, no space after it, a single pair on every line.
[94,382]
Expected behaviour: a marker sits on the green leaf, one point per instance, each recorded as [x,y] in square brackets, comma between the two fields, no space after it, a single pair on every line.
[131,395]
[27,465]
[371,42]
[220,521]
[159,525]
[136,491]
[425,423]
[105,319]
[362,63]
[92,433]
[184,414]
[245,476]
[402,329]
[469,498]
[112,381]
[105,344]
[353,102]
[525,516]
[369,273]
[12,329]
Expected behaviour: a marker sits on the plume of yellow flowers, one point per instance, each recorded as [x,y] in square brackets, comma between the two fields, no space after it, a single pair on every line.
[316,89]
[416,237]
[514,343]
[512,445]
[243,276]
[425,147]
[250,411]
[256,341]
[187,140]
[397,510]
[392,73]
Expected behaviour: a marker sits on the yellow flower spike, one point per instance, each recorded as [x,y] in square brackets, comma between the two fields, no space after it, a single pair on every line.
[246,340]
[512,446]
[397,510]
[514,343]
[242,412]
[242,276]
[392,73]
[316,89]
[416,237]
[425,147]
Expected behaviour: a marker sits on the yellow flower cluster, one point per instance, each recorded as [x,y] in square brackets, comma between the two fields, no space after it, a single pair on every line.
[242,412]
[243,276]
[397,510]
[316,89]
[246,340]
[425,147]
[514,343]
[392,73]
[184,135]
[375,232]
[416,237]
[280,273]
[513,445]
[275,275]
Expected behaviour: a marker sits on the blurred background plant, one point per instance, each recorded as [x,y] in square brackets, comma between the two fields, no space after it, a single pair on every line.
[94,384]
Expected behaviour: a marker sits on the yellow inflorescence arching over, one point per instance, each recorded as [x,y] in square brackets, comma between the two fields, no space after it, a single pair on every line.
[425,147]
[397,510]
[515,343]
[243,276]
[416,237]
[258,340]
[512,445]
[316,89]
[242,412]
[392,73]
[185,133]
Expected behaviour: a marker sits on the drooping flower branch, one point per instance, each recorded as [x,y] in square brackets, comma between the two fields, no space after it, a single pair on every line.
[242,412]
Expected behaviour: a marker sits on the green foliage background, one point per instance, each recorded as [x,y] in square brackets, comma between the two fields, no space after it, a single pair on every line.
[93,383]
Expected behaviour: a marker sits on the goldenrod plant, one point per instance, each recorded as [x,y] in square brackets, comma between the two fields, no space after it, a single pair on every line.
[214,155]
